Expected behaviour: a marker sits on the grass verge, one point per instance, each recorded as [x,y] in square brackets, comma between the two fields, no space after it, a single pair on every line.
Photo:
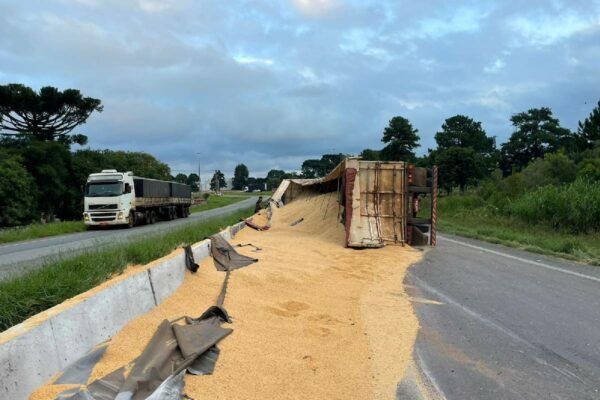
[216,202]
[62,279]
[36,231]
[479,222]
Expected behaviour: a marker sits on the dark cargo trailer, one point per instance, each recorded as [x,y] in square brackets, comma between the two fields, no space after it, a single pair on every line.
[151,188]
[119,198]
[180,190]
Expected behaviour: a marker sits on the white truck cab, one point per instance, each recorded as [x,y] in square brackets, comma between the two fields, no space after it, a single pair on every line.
[109,198]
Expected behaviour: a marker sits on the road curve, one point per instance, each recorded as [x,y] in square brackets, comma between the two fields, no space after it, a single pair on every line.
[20,257]
[500,323]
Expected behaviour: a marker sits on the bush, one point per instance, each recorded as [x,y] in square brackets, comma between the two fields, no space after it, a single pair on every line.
[553,169]
[590,169]
[458,203]
[17,192]
[574,207]
[205,195]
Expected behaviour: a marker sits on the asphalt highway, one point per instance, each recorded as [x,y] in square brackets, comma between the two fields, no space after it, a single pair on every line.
[499,323]
[20,257]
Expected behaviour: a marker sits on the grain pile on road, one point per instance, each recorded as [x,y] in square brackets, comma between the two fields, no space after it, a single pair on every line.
[311,319]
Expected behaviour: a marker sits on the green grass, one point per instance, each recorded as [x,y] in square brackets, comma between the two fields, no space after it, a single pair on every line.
[62,279]
[36,231]
[216,202]
[469,216]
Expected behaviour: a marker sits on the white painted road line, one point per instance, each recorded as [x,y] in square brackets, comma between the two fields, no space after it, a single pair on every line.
[523,260]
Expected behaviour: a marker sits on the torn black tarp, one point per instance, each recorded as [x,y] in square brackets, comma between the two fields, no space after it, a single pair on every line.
[225,257]
[174,347]
[190,263]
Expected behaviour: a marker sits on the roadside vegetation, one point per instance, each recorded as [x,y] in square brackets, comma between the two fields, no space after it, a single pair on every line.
[62,279]
[214,201]
[37,231]
[471,216]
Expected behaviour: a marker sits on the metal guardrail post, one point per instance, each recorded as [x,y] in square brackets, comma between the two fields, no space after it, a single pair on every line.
[434,194]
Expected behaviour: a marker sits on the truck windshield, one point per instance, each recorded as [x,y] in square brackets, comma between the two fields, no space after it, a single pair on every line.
[104,189]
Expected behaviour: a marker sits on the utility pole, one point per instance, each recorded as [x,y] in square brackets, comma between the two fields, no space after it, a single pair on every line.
[199,176]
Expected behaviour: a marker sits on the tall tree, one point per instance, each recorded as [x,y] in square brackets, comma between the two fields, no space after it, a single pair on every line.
[588,130]
[462,131]
[401,140]
[459,166]
[311,168]
[194,181]
[274,178]
[219,177]
[240,177]
[181,178]
[370,155]
[536,133]
[466,133]
[17,191]
[57,192]
[314,168]
[49,115]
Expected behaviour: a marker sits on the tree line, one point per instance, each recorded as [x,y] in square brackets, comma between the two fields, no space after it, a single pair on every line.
[466,154]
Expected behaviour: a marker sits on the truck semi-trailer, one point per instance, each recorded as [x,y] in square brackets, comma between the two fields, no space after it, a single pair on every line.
[119,198]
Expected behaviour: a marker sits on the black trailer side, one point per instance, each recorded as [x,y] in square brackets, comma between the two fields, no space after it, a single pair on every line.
[155,199]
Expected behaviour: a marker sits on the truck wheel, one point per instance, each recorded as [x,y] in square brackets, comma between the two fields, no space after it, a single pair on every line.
[154,218]
[131,220]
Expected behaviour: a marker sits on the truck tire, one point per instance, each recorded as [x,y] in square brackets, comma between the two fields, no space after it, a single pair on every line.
[150,217]
[131,220]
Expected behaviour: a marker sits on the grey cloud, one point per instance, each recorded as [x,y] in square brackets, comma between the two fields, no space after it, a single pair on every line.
[178,78]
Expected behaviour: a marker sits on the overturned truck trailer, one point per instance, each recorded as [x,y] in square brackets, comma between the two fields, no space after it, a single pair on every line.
[380,202]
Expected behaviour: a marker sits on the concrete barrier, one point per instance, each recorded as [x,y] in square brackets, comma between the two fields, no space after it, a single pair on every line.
[33,351]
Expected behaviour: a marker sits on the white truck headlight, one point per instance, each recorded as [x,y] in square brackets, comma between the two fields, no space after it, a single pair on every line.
[120,215]
[86,216]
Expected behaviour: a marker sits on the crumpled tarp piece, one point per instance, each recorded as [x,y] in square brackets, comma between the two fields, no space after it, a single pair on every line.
[173,348]
[79,372]
[225,257]
[190,263]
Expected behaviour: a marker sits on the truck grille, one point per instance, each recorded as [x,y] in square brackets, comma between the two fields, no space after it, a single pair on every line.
[103,206]
[103,216]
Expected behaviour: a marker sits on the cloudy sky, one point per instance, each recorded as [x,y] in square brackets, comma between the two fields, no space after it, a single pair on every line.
[271,83]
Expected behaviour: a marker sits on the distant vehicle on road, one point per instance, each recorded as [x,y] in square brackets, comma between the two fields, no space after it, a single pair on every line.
[255,188]
[119,198]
